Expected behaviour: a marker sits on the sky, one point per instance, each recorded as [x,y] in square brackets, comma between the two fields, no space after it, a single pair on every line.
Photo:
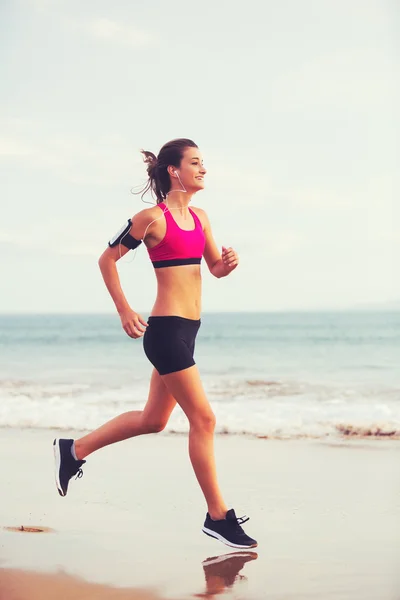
[294,106]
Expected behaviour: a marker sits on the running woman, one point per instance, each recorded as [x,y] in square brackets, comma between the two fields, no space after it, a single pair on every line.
[176,237]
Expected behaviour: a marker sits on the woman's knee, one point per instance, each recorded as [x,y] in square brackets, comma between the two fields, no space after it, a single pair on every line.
[153,426]
[204,421]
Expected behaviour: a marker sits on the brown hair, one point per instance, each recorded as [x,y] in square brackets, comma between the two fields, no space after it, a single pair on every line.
[171,153]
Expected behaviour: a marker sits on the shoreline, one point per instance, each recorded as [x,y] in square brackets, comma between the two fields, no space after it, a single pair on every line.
[350,435]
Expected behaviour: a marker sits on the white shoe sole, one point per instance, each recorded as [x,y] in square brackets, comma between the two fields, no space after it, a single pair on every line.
[57,464]
[219,537]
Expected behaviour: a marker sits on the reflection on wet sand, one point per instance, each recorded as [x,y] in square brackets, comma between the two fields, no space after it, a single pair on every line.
[16,584]
[222,572]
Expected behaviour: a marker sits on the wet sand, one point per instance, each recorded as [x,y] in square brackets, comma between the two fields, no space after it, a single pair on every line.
[326,516]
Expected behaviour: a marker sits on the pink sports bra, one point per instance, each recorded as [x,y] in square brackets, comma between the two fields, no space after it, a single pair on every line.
[178,247]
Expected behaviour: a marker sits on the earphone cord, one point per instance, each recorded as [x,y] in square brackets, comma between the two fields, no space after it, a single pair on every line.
[157,219]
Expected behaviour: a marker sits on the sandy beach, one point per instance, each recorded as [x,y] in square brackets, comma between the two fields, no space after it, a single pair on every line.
[326,517]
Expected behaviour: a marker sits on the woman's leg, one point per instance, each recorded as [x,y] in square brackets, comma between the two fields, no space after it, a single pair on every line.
[151,419]
[187,389]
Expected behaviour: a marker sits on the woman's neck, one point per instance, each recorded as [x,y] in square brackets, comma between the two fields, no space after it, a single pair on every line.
[178,199]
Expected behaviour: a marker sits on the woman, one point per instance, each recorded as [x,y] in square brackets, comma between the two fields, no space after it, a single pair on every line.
[176,237]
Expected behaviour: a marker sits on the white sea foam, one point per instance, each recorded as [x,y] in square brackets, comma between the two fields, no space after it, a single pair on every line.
[265,408]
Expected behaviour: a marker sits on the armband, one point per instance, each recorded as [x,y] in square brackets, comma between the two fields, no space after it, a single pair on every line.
[124,237]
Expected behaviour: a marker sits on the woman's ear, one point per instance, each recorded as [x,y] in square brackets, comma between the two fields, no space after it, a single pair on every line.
[172,171]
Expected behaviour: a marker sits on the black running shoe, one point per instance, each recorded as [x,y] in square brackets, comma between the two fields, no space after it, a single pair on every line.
[65,465]
[229,530]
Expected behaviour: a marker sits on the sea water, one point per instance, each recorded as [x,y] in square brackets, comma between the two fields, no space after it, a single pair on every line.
[285,375]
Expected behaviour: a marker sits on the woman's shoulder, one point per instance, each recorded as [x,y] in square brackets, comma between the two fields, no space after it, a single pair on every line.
[201,214]
[147,214]
[142,219]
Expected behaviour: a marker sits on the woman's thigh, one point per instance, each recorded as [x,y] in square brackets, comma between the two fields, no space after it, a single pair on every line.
[160,402]
[187,389]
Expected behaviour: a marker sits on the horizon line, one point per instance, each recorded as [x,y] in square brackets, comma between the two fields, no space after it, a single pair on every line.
[210,312]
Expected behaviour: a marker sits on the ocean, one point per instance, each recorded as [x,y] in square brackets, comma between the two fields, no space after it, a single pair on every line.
[281,375]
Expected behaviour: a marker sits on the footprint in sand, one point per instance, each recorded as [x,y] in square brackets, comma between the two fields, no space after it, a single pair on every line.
[29,529]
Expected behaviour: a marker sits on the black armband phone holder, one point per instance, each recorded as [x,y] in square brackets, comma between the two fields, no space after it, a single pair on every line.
[124,237]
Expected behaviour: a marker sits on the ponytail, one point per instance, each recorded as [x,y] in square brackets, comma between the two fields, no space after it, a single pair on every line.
[159,182]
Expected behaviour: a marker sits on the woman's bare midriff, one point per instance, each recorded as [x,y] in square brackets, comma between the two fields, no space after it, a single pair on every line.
[178,292]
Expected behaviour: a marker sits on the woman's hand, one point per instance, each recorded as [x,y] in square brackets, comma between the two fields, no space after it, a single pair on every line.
[230,259]
[134,325]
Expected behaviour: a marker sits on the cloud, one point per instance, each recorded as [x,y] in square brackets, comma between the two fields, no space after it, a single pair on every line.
[349,79]
[110,31]
[52,239]
[106,159]
[283,242]
[240,188]
[100,28]
[40,5]
[13,147]
[323,199]
[35,156]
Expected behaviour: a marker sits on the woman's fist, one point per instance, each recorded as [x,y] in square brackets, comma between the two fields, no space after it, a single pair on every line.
[133,324]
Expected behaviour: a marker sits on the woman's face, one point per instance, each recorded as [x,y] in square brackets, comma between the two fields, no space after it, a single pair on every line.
[192,171]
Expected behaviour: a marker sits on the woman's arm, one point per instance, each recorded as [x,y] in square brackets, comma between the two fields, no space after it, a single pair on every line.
[108,268]
[132,322]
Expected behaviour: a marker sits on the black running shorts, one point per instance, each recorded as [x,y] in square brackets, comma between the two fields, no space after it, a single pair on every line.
[169,343]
